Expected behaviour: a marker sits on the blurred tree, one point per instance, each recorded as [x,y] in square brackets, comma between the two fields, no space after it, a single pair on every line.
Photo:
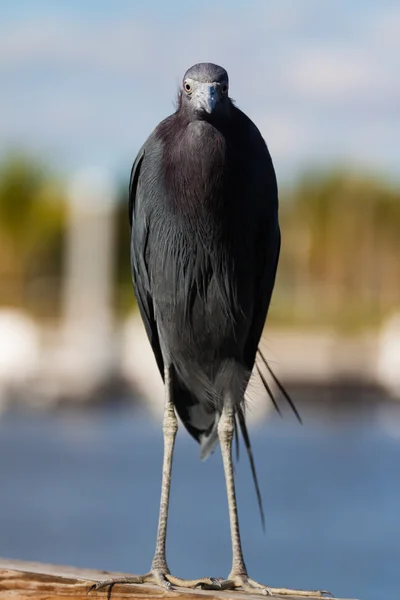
[342,248]
[32,219]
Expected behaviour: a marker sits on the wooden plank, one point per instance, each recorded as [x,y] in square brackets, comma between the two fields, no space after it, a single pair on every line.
[21,580]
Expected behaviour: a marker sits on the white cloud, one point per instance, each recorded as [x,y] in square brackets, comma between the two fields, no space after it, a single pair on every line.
[113,45]
[331,74]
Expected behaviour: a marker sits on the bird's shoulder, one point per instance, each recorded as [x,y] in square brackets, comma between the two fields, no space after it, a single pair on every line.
[147,165]
[152,150]
[254,156]
[248,133]
[169,129]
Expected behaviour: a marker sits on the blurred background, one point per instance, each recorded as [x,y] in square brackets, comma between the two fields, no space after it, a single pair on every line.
[82,84]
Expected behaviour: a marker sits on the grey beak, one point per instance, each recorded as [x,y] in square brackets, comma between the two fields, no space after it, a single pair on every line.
[207,97]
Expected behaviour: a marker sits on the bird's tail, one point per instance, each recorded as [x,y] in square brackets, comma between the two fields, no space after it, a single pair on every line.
[280,386]
[199,416]
[243,427]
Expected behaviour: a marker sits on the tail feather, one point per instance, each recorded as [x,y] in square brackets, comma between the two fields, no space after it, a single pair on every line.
[280,386]
[246,438]
[269,391]
[209,439]
[199,418]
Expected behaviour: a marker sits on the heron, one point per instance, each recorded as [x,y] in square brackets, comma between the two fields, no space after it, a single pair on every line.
[205,243]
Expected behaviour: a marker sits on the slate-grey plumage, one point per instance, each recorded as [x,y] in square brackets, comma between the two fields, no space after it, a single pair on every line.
[205,242]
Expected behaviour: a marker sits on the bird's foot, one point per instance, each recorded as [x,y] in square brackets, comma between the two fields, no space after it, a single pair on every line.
[240,582]
[163,579]
[244,583]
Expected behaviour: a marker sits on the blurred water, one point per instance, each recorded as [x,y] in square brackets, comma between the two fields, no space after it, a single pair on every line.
[84,490]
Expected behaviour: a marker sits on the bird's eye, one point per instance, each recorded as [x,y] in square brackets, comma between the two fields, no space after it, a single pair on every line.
[224,88]
[188,87]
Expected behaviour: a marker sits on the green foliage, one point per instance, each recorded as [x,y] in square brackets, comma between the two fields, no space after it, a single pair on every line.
[28,196]
[32,218]
[340,255]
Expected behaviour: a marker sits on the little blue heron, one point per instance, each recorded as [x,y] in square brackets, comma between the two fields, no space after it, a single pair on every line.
[205,241]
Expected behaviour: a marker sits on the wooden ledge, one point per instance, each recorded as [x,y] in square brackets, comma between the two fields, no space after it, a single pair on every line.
[21,580]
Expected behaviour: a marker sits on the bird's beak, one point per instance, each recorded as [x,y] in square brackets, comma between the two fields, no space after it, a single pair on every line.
[207,97]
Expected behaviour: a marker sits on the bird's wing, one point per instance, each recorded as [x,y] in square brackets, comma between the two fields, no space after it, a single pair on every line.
[267,268]
[133,181]
[266,260]
[266,264]
[140,275]
[262,189]
[196,417]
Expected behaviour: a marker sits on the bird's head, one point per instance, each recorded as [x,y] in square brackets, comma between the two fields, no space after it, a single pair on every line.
[205,90]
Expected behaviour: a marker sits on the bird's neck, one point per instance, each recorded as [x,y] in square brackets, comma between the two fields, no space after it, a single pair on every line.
[195,161]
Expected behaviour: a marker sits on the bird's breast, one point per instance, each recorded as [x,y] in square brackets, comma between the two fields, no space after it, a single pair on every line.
[203,144]
[197,168]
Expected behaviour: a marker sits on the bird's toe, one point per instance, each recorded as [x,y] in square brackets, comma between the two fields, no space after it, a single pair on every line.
[253,587]
[214,583]
[204,583]
[165,580]
[109,583]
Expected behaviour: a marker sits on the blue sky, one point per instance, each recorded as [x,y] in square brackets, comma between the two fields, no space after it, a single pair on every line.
[83,84]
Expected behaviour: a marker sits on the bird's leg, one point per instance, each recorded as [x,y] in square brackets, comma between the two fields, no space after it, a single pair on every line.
[238,577]
[225,434]
[159,572]
[170,428]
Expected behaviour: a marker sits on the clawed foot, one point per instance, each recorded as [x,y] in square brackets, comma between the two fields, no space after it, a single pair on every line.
[235,582]
[163,579]
[244,583]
